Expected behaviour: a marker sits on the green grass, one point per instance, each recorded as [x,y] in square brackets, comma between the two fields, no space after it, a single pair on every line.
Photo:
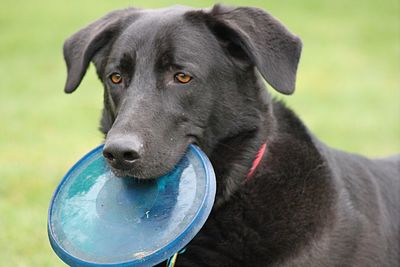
[348,93]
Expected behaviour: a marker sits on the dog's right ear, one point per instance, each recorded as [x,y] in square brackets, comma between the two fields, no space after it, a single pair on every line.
[81,47]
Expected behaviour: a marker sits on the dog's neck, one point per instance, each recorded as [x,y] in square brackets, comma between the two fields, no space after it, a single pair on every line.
[232,161]
[234,154]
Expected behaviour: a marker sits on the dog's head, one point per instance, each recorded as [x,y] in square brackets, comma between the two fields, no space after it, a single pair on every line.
[178,76]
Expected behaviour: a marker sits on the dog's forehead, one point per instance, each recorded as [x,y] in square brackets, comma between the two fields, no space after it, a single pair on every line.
[158,30]
[151,25]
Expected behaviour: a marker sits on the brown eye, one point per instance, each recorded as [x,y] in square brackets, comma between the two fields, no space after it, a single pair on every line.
[183,77]
[116,78]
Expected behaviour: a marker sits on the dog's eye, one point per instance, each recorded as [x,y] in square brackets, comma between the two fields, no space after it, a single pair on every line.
[183,77]
[116,78]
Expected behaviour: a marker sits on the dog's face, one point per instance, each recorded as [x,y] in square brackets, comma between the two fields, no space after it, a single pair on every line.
[178,76]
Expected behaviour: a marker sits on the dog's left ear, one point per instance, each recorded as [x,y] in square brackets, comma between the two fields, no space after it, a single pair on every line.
[265,41]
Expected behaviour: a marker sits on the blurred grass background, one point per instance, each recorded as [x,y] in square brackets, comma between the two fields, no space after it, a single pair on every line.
[348,93]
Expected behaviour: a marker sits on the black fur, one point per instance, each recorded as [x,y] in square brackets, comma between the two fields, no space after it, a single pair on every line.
[306,205]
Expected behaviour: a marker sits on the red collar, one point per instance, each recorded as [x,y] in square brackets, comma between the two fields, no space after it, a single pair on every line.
[256,161]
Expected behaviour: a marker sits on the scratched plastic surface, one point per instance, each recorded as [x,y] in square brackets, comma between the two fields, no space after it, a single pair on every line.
[96,218]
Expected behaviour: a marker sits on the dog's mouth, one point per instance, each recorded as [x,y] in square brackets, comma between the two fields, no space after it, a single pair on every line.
[145,172]
[153,166]
[132,174]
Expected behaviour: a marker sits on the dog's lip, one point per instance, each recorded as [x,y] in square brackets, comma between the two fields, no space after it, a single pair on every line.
[132,174]
[193,139]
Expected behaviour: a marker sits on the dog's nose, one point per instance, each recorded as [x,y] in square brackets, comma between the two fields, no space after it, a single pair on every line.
[122,152]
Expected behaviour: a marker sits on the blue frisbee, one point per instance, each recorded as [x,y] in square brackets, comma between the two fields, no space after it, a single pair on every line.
[98,219]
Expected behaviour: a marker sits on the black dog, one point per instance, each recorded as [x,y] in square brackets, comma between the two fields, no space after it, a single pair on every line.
[178,76]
